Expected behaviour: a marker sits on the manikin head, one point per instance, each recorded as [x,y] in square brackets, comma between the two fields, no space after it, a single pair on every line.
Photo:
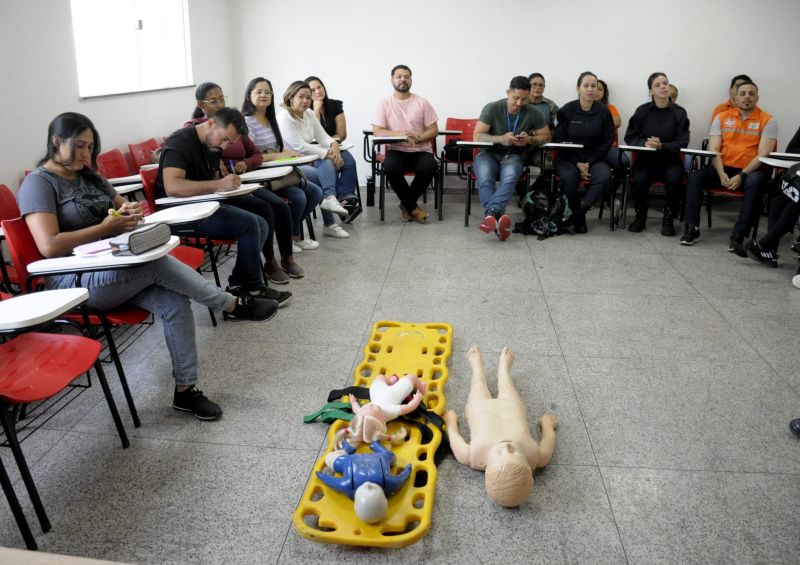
[508,477]
[370,504]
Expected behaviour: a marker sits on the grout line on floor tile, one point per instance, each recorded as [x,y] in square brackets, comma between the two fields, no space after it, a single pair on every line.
[580,411]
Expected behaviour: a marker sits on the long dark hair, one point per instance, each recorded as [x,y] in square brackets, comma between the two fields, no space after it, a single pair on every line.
[70,125]
[248,108]
[326,102]
[200,93]
[605,91]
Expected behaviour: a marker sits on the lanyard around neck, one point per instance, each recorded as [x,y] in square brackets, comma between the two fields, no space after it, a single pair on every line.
[516,120]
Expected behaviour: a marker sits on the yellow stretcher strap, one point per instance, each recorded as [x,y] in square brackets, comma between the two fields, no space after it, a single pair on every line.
[327,516]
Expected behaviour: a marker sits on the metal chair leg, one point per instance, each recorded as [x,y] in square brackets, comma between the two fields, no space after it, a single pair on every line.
[7,418]
[111,404]
[16,509]
[123,380]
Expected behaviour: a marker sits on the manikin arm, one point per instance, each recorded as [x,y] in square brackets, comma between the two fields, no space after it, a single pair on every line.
[457,444]
[547,443]
[412,404]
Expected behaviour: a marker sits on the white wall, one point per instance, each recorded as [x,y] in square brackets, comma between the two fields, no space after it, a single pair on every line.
[40,81]
[464,52]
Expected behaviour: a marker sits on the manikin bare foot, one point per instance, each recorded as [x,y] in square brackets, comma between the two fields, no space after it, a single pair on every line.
[506,361]
[475,359]
[505,386]
[478,389]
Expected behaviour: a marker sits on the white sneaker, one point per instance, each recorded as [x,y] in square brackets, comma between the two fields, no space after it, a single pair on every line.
[335,230]
[796,281]
[296,248]
[307,244]
[332,205]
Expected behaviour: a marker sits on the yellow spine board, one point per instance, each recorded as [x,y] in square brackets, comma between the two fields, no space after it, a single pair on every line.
[327,516]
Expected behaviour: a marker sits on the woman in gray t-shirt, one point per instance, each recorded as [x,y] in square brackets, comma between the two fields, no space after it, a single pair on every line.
[66,204]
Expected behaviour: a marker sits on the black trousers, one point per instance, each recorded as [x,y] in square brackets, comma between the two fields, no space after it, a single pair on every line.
[421,163]
[265,203]
[647,169]
[783,214]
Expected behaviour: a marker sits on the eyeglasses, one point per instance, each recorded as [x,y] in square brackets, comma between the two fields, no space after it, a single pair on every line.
[215,101]
[262,92]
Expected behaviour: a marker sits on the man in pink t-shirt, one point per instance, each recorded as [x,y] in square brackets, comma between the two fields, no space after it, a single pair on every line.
[407,115]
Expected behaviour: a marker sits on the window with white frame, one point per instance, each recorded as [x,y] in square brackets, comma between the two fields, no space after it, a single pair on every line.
[131,45]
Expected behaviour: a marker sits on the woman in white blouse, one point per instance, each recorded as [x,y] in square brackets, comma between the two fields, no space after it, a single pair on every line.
[334,170]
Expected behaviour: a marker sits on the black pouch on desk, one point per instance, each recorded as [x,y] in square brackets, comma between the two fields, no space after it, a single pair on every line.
[140,240]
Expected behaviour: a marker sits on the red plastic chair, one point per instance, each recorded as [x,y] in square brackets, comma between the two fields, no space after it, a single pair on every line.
[8,211]
[112,164]
[149,177]
[142,153]
[37,366]
[23,251]
[467,127]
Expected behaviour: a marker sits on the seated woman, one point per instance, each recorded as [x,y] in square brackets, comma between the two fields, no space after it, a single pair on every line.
[66,204]
[619,162]
[662,125]
[334,170]
[329,112]
[589,123]
[243,156]
[259,114]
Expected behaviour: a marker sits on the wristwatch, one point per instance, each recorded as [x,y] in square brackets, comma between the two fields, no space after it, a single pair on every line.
[743,175]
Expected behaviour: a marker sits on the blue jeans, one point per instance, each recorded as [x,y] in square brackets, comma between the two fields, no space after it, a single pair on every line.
[163,287]
[487,167]
[250,232]
[302,202]
[706,178]
[341,183]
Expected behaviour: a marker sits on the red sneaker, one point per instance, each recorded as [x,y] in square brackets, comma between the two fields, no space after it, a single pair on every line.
[503,227]
[488,225]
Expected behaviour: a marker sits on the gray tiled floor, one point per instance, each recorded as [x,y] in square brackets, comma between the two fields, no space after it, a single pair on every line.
[673,372]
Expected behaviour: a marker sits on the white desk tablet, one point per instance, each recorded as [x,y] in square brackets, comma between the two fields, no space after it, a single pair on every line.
[289,161]
[180,200]
[636,148]
[474,143]
[183,214]
[124,189]
[790,156]
[73,263]
[562,146]
[700,152]
[132,179]
[32,309]
[777,163]
[261,175]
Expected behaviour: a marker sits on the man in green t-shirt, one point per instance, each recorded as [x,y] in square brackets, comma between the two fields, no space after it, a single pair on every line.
[512,125]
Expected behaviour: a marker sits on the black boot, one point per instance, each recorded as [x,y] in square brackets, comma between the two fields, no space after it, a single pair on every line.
[579,219]
[667,229]
[736,245]
[638,223]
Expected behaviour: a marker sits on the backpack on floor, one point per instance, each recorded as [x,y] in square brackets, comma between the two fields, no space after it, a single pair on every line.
[790,183]
[544,216]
